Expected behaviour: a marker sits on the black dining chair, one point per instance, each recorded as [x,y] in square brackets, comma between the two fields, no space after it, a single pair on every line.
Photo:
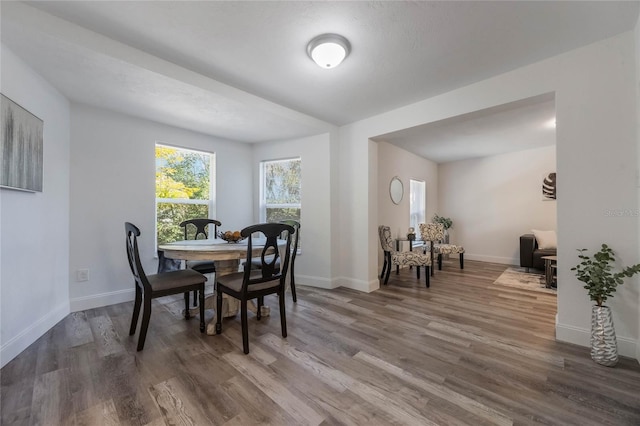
[256,262]
[149,287]
[193,230]
[257,283]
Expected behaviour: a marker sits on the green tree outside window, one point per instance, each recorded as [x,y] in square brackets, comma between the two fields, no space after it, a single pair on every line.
[183,182]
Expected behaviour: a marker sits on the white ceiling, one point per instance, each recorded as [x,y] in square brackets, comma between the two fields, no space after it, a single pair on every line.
[517,126]
[239,70]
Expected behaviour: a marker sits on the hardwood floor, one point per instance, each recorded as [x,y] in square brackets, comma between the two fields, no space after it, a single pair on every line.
[464,352]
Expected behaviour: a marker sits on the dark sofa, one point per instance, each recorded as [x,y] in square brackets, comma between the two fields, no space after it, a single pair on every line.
[531,255]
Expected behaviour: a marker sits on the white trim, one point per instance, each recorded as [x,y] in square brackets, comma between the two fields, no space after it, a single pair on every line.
[492,259]
[317,282]
[579,336]
[182,201]
[33,332]
[102,299]
[360,285]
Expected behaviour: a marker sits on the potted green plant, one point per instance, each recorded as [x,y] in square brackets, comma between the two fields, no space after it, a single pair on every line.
[447,223]
[600,281]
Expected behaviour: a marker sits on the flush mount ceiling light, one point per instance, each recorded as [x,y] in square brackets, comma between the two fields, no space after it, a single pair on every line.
[328,50]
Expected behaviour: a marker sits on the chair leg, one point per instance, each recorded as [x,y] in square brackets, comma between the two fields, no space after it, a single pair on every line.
[136,311]
[146,314]
[195,298]
[386,277]
[426,272]
[218,310]
[293,286]
[187,315]
[461,260]
[384,267]
[283,319]
[418,269]
[259,308]
[201,301]
[439,261]
[245,326]
[432,268]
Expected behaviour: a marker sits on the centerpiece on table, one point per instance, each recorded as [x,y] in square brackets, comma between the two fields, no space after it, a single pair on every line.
[231,236]
[595,273]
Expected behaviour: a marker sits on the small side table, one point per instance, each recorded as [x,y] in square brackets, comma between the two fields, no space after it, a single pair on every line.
[550,268]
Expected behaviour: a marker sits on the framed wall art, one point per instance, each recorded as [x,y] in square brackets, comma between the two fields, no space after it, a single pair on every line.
[21,148]
[549,187]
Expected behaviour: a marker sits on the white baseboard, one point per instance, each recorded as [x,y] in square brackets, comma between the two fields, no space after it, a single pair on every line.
[33,332]
[317,282]
[360,285]
[491,259]
[580,336]
[102,299]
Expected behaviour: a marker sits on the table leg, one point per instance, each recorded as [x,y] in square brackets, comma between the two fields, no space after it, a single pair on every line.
[548,272]
[230,305]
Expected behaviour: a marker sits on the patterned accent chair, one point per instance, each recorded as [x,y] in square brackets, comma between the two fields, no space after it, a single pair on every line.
[400,258]
[433,233]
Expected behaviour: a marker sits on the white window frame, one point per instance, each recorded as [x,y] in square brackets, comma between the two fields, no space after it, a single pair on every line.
[263,202]
[416,185]
[211,202]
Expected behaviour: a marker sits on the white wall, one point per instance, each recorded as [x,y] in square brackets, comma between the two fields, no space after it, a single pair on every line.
[313,265]
[494,200]
[596,157]
[34,249]
[394,161]
[637,40]
[113,181]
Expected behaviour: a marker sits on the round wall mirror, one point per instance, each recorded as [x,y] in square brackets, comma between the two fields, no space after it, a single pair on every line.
[396,190]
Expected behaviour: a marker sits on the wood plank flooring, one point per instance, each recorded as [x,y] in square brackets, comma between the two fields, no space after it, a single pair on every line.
[464,352]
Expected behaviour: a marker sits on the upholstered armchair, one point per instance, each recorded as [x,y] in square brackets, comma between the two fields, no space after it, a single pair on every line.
[434,233]
[400,258]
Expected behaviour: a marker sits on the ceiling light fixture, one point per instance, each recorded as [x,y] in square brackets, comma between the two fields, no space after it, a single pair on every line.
[328,50]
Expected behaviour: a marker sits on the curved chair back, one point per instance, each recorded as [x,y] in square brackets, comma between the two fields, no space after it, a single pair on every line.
[432,231]
[132,233]
[294,252]
[270,270]
[386,241]
[200,227]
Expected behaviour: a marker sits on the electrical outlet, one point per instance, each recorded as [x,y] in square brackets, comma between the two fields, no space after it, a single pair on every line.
[82,275]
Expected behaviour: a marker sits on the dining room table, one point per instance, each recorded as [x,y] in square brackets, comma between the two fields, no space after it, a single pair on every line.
[228,257]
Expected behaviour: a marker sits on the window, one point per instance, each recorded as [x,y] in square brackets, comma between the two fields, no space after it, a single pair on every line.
[417,203]
[184,189]
[280,184]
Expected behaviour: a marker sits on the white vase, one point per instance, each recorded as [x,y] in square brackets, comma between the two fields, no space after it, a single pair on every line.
[604,346]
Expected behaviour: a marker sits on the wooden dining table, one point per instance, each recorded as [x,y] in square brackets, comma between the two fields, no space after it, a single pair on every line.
[227,257]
